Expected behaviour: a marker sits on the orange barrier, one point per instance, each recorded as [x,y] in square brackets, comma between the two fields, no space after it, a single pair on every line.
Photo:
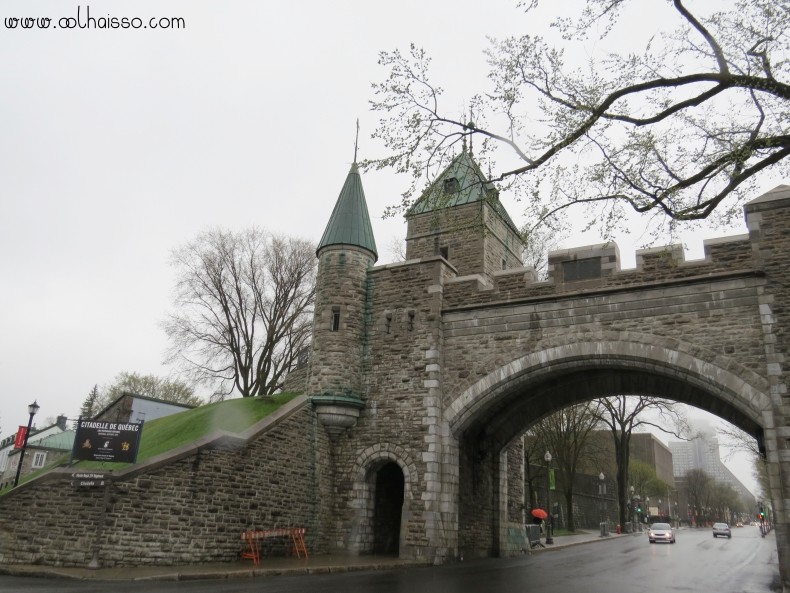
[252,547]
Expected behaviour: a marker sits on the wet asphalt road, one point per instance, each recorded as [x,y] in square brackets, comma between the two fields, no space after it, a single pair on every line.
[699,563]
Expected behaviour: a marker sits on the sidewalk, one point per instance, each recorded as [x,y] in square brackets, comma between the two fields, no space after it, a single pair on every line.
[269,566]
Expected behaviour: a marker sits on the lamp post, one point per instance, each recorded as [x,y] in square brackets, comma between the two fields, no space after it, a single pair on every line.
[602,493]
[633,510]
[31,409]
[659,507]
[547,458]
[647,507]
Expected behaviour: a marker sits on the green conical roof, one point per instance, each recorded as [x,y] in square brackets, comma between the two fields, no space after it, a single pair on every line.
[471,187]
[350,223]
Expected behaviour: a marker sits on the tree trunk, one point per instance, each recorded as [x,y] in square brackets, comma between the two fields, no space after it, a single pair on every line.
[569,509]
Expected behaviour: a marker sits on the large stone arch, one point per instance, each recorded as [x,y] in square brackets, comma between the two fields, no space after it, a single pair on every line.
[365,468]
[619,363]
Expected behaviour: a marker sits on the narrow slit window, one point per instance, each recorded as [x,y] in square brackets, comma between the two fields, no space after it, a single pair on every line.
[444,252]
[335,323]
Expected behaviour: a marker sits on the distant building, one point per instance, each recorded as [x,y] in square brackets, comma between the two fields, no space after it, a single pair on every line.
[44,446]
[645,447]
[132,407]
[703,453]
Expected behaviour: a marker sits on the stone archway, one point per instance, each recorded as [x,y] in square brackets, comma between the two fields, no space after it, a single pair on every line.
[488,415]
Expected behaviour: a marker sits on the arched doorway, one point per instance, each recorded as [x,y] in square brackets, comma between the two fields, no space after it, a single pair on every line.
[388,506]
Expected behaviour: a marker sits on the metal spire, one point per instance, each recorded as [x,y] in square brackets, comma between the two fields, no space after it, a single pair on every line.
[356,142]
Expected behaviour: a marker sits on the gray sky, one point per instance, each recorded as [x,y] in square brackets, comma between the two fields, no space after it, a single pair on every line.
[118,145]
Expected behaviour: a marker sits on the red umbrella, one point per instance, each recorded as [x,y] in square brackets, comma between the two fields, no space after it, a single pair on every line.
[539,513]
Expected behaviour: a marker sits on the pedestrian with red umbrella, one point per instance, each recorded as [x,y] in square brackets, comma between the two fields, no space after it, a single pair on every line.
[538,516]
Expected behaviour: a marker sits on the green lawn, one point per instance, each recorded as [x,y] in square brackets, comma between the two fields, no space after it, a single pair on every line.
[164,434]
[233,415]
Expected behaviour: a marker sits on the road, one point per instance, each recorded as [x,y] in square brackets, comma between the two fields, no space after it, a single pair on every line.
[746,563]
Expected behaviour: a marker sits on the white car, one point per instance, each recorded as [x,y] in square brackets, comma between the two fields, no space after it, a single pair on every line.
[721,529]
[661,532]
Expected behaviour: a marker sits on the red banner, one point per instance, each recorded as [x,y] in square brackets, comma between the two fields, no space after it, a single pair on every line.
[19,441]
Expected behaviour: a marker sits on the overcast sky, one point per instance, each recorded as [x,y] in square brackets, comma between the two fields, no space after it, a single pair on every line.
[116,146]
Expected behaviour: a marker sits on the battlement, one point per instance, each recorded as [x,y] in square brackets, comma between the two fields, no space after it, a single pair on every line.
[594,267]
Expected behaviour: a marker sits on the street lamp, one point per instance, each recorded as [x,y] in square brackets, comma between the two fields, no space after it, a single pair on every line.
[31,409]
[647,506]
[633,510]
[659,506]
[601,493]
[547,458]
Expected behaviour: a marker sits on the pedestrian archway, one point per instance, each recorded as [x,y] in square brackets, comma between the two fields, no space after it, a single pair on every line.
[388,506]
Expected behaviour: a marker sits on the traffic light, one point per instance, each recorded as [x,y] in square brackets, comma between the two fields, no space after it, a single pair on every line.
[639,509]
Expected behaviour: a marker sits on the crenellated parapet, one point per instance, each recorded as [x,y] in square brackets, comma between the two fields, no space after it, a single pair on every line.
[597,267]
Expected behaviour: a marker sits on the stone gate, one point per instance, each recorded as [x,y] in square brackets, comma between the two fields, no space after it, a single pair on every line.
[425,372]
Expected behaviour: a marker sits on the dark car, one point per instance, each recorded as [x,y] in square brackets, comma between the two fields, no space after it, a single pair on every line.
[661,532]
[721,529]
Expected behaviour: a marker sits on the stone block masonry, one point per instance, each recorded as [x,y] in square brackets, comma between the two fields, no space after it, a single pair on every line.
[189,506]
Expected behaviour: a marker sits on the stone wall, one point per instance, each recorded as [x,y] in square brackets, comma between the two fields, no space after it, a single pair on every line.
[189,506]
[768,220]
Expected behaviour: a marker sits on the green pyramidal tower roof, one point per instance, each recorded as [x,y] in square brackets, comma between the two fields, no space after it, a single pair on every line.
[350,223]
[469,186]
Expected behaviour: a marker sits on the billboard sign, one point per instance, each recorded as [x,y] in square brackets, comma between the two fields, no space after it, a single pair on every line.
[97,440]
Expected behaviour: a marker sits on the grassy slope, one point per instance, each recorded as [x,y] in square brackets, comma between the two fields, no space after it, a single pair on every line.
[235,415]
[163,434]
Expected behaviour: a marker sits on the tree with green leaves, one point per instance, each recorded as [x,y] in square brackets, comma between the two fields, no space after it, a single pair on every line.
[681,128]
[243,309]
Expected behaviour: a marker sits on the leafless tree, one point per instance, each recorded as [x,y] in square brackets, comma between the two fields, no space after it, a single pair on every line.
[698,487]
[622,415]
[564,434]
[681,129]
[242,309]
[736,440]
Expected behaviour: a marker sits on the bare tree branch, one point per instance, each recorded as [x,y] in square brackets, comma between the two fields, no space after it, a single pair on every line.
[681,131]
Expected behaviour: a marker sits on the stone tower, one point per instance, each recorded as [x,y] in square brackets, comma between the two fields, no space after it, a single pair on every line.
[460,218]
[346,252]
